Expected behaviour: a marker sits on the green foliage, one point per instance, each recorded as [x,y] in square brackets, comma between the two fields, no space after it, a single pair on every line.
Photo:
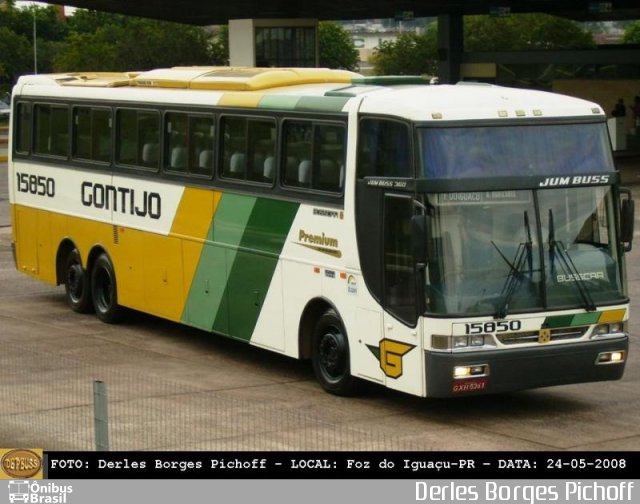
[16,57]
[336,47]
[418,54]
[219,48]
[524,32]
[130,43]
[97,41]
[409,54]
[632,33]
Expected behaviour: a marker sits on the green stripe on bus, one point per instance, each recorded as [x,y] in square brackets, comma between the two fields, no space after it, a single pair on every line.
[206,305]
[255,263]
[279,102]
[558,321]
[586,318]
[579,319]
[322,103]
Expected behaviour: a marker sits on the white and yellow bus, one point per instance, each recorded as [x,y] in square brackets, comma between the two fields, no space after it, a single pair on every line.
[438,240]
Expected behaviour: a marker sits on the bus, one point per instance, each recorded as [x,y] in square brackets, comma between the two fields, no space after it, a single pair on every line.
[439,240]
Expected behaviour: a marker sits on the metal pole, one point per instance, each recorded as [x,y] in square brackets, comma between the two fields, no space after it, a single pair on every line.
[35,43]
[101,415]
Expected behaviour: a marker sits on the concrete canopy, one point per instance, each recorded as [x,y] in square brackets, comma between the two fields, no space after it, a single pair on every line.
[208,12]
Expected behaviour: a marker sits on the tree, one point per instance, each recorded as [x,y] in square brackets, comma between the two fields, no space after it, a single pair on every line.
[219,48]
[108,42]
[16,58]
[632,33]
[418,54]
[336,47]
[409,54]
[524,32]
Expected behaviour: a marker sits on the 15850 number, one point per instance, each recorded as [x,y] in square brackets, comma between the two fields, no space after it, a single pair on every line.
[36,184]
[492,327]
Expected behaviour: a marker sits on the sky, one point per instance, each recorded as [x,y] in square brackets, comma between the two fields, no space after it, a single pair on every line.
[67,10]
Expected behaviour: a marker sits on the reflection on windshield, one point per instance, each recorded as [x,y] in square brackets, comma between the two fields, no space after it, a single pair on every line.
[544,149]
[487,256]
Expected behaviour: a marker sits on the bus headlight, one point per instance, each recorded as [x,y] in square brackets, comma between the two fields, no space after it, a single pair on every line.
[460,341]
[616,357]
[616,327]
[441,342]
[477,340]
[473,371]
[602,330]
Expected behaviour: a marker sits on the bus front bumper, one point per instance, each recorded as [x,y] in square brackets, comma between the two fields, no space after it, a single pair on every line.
[506,370]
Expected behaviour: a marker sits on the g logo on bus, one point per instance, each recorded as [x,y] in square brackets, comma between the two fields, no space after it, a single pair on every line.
[544,336]
[390,353]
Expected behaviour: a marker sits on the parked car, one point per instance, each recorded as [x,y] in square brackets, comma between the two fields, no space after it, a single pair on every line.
[4,110]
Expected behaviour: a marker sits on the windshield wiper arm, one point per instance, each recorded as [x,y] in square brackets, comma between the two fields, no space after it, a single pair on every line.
[567,264]
[515,275]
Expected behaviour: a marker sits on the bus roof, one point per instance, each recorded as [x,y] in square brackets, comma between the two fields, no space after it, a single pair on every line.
[280,88]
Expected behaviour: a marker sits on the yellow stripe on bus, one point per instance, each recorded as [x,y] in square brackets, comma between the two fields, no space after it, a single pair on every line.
[192,222]
[240,99]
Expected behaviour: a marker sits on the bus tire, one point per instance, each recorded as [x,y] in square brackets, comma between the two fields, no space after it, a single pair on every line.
[104,291]
[330,355]
[77,286]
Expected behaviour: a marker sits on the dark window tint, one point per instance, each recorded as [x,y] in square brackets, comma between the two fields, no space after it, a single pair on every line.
[189,143]
[399,275]
[248,149]
[285,47]
[51,130]
[383,149]
[92,134]
[313,155]
[138,138]
[23,128]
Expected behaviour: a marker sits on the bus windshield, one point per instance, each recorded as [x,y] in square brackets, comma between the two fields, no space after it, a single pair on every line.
[545,149]
[521,250]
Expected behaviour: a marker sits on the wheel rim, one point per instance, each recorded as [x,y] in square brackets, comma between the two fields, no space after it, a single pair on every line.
[104,290]
[75,282]
[332,353]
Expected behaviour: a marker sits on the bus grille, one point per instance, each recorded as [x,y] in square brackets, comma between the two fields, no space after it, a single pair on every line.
[564,333]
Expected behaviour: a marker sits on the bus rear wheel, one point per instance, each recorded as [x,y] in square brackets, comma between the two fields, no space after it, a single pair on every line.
[104,291]
[76,283]
[330,355]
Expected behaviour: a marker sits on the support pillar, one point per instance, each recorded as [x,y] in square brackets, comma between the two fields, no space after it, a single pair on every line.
[273,42]
[450,47]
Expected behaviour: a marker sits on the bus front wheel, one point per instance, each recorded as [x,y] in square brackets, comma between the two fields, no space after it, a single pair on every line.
[330,354]
[76,283]
[104,291]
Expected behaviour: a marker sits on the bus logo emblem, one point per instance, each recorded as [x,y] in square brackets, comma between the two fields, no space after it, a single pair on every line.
[390,353]
[544,336]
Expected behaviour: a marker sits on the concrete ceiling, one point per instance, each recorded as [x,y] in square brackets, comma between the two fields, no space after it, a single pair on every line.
[207,12]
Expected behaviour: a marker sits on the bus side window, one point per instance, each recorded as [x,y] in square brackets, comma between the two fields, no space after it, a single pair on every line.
[314,156]
[91,134]
[138,138]
[296,156]
[329,144]
[175,130]
[248,149]
[233,145]
[201,145]
[23,130]
[52,130]
[384,149]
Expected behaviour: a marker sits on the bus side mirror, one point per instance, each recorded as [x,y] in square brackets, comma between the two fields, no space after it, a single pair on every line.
[419,238]
[627,219]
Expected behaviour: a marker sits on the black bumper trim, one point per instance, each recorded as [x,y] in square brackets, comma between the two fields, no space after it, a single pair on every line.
[524,368]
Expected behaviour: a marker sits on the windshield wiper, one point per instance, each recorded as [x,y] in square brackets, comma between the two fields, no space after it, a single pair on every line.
[511,284]
[567,264]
